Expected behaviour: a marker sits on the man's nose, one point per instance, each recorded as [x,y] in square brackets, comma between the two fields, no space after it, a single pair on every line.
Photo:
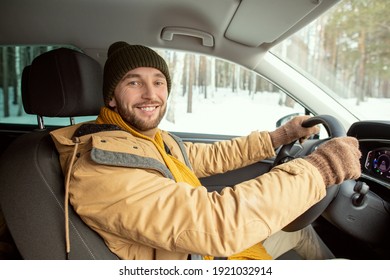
[149,91]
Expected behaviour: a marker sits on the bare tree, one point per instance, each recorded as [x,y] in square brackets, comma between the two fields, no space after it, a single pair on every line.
[177,67]
[191,82]
[18,73]
[202,75]
[6,112]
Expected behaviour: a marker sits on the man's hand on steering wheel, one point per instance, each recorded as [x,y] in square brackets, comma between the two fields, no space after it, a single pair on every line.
[336,158]
[292,131]
[330,157]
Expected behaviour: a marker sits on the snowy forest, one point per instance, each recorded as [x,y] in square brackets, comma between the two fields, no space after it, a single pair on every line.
[350,48]
[351,56]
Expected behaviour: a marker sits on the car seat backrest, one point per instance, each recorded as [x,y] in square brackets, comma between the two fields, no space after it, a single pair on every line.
[59,83]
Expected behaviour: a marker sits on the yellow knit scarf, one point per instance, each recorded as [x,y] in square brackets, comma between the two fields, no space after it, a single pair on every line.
[180,172]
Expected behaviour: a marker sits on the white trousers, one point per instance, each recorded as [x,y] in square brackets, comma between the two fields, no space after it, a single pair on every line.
[305,242]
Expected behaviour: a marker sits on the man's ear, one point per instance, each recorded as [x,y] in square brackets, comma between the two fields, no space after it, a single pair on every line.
[112,102]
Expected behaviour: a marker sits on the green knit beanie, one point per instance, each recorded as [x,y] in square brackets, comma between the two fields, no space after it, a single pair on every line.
[121,58]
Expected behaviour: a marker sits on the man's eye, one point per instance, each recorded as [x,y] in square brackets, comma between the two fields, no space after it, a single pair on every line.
[159,83]
[134,83]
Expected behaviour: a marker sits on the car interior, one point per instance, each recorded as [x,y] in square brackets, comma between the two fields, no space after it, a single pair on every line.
[354,217]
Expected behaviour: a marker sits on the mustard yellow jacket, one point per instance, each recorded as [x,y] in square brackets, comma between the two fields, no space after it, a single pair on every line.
[121,188]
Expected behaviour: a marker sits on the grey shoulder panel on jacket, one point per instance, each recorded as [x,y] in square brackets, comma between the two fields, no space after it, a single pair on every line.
[129,160]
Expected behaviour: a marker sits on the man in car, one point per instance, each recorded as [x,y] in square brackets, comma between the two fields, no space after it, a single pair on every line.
[138,186]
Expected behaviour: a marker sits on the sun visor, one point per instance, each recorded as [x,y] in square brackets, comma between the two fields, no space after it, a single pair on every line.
[263,21]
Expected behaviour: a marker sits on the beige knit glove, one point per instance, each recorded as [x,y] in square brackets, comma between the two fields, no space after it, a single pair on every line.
[337,160]
[291,131]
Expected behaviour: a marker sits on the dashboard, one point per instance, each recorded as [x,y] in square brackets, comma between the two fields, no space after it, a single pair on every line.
[374,143]
[376,165]
[361,208]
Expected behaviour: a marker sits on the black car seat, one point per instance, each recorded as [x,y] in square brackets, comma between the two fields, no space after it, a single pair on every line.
[59,83]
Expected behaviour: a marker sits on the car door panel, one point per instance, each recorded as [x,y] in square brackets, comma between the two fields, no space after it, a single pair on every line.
[229,179]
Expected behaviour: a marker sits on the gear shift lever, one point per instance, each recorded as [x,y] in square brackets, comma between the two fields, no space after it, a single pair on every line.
[361,189]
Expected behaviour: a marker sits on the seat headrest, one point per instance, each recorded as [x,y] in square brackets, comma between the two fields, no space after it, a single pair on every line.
[63,83]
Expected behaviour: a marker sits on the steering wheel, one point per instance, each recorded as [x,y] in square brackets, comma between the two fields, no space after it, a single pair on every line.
[334,129]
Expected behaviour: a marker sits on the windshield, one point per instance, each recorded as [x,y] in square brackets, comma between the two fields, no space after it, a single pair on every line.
[346,52]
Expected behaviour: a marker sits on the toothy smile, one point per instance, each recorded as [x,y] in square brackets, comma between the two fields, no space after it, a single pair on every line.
[148,109]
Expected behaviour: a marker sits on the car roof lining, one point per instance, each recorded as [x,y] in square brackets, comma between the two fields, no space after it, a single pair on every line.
[233,29]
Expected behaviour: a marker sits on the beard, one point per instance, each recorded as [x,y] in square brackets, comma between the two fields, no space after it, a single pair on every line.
[130,117]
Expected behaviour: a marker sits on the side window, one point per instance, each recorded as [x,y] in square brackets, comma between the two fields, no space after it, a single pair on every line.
[208,95]
[213,96]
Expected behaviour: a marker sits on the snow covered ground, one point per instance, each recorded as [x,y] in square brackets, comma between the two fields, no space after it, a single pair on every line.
[241,114]
[231,114]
